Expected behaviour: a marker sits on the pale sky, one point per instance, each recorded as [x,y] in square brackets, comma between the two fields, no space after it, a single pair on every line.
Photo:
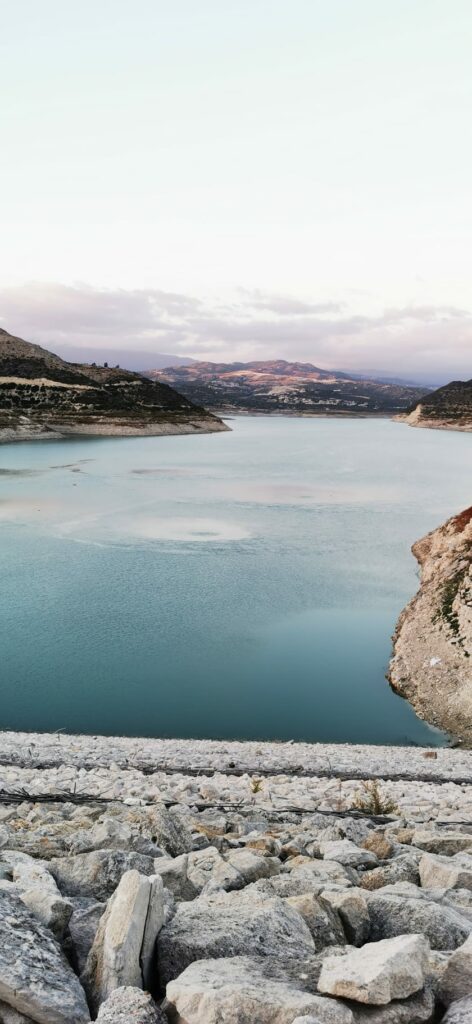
[240,179]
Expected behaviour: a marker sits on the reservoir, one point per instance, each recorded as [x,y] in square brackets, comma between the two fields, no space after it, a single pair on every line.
[236,585]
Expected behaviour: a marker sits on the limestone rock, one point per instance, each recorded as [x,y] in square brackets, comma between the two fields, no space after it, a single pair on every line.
[229,925]
[124,944]
[446,872]
[171,830]
[400,869]
[83,925]
[248,866]
[112,834]
[459,1012]
[126,1005]
[307,1019]
[353,911]
[173,871]
[320,871]
[417,1009]
[97,874]
[39,891]
[456,981]
[53,910]
[391,915]
[10,1016]
[237,991]
[285,885]
[379,844]
[188,875]
[155,918]
[442,843]
[343,851]
[322,919]
[35,978]
[379,972]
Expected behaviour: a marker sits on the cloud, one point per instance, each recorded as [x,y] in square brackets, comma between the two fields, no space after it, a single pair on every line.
[423,342]
[283,305]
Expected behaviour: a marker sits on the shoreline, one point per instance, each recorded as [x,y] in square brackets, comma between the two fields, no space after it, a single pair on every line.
[207,425]
[425,784]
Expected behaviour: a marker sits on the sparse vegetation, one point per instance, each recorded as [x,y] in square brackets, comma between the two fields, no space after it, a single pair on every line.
[371,800]
[256,785]
[450,592]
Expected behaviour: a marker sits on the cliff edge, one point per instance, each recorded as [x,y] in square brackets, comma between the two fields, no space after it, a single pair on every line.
[432,664]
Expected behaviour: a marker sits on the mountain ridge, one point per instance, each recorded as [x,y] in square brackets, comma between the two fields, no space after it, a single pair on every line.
[280,386]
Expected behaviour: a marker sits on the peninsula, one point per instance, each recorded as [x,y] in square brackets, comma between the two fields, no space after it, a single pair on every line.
[448,408]
[42,395]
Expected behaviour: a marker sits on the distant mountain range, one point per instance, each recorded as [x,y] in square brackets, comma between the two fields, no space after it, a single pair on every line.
[42,395]
[279,386]
[450,407]
[133,359]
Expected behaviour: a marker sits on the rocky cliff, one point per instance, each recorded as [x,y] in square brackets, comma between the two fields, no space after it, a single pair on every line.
[42,395]
[449,408]
[432,663]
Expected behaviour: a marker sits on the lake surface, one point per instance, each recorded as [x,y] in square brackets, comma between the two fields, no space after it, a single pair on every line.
[239,585]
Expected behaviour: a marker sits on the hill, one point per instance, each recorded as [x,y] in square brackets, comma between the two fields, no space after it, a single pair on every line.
[279,386]
[43,395]
[450,408]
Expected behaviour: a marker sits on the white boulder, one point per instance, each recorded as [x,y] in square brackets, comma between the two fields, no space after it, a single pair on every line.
[378,972]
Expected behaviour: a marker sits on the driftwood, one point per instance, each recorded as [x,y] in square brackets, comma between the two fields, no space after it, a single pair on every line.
[20,796]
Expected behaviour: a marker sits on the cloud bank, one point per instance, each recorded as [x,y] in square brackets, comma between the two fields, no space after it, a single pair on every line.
[427,343]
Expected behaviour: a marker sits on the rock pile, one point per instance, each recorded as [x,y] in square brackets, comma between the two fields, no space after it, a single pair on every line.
[178,915]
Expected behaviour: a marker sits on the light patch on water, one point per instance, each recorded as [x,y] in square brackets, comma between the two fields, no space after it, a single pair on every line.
[26,509]
[166,471]
[306,494]
[187,529]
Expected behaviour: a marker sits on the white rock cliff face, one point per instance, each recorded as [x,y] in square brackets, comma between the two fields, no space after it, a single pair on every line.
[432,660]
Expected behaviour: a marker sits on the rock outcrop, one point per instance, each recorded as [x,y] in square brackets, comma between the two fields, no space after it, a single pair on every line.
[432,659]
[41,395]
[448,408]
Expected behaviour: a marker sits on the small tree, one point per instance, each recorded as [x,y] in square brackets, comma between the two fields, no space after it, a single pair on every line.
[371,800]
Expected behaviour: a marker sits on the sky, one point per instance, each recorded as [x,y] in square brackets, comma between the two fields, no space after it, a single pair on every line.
[240,179]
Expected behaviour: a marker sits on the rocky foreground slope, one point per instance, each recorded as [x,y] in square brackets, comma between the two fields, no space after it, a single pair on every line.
[432,661]
[41,395]
[180,882]
[449,408]
[279,386]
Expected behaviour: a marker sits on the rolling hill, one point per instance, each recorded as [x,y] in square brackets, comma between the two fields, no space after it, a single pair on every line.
[279,386]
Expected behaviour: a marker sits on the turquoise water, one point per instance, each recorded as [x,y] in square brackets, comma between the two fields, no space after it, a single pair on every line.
[233,585]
